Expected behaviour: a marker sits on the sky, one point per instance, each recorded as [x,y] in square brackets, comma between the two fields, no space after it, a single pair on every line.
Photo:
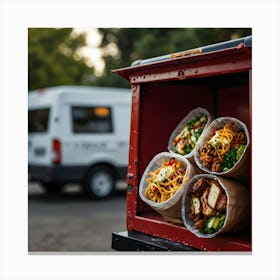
[91,52]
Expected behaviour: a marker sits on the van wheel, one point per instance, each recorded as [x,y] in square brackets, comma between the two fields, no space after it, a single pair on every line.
[100,182]
[52,188]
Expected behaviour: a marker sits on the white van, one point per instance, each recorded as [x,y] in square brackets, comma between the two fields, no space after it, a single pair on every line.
[78,134]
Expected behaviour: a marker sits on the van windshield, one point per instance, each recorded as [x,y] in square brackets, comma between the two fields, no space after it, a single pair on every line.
[38,120]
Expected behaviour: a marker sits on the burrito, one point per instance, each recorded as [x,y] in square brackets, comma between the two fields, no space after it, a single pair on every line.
[186,134]
[165,180]
[212,204]
[185,141]
[208,206]
[163,183]
[223,149]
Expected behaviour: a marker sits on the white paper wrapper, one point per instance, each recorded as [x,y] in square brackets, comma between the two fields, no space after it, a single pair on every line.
[198,112]
[171,208]
[237,210]
[241,170]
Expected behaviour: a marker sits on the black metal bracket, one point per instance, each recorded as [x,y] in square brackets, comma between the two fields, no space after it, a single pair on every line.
[136,241]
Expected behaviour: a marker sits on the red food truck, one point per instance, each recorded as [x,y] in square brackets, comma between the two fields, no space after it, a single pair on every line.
[164,89]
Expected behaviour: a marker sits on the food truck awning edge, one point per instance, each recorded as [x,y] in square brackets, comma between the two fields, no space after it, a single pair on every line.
[137,73]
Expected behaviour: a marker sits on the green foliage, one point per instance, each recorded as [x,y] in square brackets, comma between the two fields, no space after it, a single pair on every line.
[53,58]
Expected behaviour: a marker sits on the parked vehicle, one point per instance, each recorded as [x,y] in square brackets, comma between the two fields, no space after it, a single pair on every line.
[78,134]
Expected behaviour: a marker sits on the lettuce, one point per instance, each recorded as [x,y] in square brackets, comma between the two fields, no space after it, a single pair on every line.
[229,160]
[213,224]
[232,157]
[239,152]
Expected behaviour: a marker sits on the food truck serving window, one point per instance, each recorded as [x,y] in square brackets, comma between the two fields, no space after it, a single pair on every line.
[92,120]
[166,94]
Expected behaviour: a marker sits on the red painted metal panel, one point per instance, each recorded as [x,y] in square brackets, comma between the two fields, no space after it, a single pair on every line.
[133,174]
[213,63]
[192,70]
[163,105]
[234,101]
[159,101]
[175,232]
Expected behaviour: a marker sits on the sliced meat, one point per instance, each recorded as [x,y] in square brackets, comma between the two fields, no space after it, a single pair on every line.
[195,204]
[200,186]
[222,203]
[216,165]
[206,156]
[180,146]
[195,209]
[192,212]
[238,139]
[199,223]
[214,194]
[206,209]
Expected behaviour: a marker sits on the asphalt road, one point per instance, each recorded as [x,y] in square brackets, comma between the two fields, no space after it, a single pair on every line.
[71,222]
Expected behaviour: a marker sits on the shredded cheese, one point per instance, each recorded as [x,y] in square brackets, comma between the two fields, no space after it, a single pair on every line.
[221,140]
[160,186]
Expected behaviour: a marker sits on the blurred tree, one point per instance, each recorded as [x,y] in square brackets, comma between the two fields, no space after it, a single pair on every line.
[121,46]
[53,58]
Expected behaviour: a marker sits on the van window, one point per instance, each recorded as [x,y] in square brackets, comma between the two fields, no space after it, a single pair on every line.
[92,120]
[38,120]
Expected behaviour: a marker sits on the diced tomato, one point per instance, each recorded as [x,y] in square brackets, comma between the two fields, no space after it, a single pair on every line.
[171,161]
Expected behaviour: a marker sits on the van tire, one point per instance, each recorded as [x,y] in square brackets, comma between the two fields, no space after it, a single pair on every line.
[52,188]
[100,182]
